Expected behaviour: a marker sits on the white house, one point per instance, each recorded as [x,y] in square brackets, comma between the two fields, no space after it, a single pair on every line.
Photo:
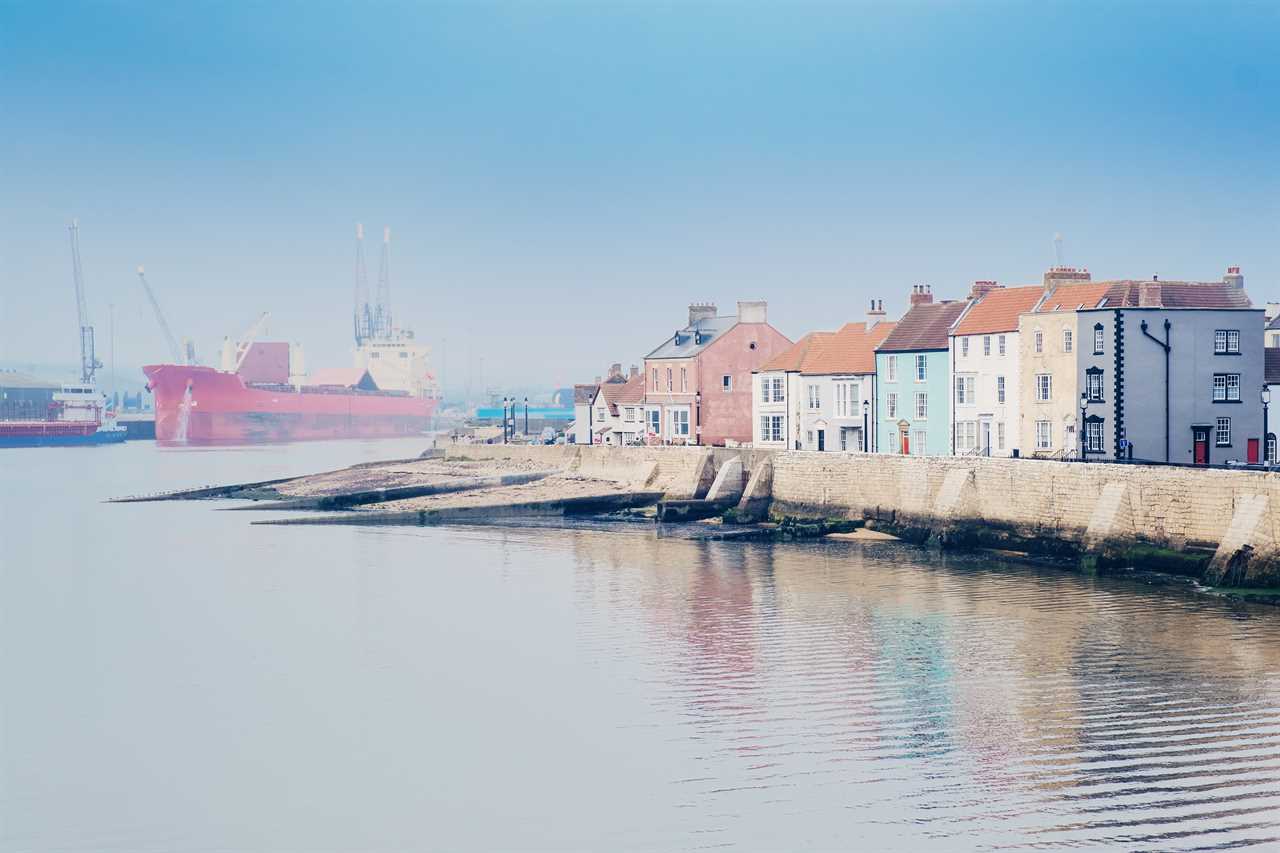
[986,411]
[617,412]
[820,393]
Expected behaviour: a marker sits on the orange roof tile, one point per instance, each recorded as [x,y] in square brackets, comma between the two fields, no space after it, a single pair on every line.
[998,310]
[850,350]
[623,393]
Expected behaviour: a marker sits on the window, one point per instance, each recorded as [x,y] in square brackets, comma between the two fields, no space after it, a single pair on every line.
[655,379]
[404,355]
[1039,340]
[629,413]
[986,345]
[964,391]
[726,383]
[1000,435]
[808,438]
[1093,435]
[771,389]
[1044,387]
[1093,385]
[1044,435]
[1226,387]
[679,421]
[600,414]
[771,428]
[891,368]
[1067,341]
[918,439]
[1097,339]
[966,436]
[964,346]
[891,405]
[1271,449]
[669,387]
[684,379]
[922,368]
[847,396]
[922,405]
[1000,340]
[1223,432]
[815,397]
[654,417]
[1226,342]
[999,389]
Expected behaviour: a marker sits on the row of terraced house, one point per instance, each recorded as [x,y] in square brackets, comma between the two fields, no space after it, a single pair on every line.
[1066,368]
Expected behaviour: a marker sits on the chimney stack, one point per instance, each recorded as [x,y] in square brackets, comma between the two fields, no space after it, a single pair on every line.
[1064,275]
[700,311]
[615,372]
[1234,278]
[875,314]
[981,288]
[753,311]
[1149,294]
[921,294]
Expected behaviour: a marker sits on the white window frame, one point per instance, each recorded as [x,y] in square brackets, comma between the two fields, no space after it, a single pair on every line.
[653,420]
[919,441]
[999,435]
[1044,435]
[679,423]
[1000,389]
[964,347]
[891,404]
[1044,387]
[815,397]
[890,368]
[922,368]
[1095,395]
[1226,342]
[1222,432]
[1038,341]
[922,405]
[772,429]
[1099,341]
[1094,437]
[1000,341]
[965,395]
[1226,387]
[986,345]
[1068,340]
[966,436]
[726,382]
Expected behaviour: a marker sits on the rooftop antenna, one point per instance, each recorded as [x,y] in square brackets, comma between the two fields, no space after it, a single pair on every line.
[363,318]
[382,310]
[1057,248]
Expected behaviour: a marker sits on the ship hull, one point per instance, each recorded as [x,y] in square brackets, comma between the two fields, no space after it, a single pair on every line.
[56,434]
[222,409]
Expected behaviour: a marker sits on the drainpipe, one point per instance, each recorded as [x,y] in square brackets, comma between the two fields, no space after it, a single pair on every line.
[1164,345]
[1118,401]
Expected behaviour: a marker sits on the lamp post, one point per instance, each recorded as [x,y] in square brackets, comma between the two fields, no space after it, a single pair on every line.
[526,417]
[1084,447]
[697,417]
[504,420]
[866,436]
[1266,436]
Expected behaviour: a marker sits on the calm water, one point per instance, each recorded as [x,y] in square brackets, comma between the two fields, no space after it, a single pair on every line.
[172,679]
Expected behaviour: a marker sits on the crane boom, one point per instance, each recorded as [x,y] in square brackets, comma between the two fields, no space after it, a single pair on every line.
[164,326]
[246,340]
[89,363]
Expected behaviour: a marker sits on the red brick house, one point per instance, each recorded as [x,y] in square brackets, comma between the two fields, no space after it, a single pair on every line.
[698,381]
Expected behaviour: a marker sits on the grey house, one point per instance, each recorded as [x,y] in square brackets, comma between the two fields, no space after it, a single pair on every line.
[1172,371]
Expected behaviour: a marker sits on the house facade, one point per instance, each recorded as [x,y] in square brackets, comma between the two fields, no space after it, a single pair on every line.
[819,394]
[986,382]
[698,382]
[913,378]
[1164,371]
[617,412]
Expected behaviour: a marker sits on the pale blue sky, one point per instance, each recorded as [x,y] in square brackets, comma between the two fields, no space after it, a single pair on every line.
[562,179]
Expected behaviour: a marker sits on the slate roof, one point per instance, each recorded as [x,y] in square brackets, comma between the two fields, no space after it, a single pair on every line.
[998,310]
[1271,365]
[1275,323]
[924,327]
[584,394]
[694,338]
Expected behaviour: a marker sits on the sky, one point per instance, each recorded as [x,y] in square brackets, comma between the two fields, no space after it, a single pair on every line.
[562,179]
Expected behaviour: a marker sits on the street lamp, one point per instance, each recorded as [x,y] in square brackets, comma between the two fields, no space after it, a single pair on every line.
[697,417]
[866,436]
[1266,436]
[504,420]
[526,417]
[1084,447]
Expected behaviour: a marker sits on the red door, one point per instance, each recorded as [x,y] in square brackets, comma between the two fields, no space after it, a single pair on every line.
[1202,446]
[1253,451]
[906,443]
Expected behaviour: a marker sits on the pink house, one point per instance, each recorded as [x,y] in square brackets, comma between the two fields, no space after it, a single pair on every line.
[698,382]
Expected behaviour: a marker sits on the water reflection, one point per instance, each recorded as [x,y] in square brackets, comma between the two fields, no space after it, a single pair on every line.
[947,699]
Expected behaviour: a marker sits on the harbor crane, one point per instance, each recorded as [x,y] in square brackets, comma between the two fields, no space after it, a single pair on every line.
[185,355]
[89,363]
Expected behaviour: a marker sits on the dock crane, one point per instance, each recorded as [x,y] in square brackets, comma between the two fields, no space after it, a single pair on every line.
[89,363]
[179,356]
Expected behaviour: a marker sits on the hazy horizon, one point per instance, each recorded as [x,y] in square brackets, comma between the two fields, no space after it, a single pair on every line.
[562,180]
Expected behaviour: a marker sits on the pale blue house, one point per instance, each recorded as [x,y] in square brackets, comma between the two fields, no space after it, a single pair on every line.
[913,386]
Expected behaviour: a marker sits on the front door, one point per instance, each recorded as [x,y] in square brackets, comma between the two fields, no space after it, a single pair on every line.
[822,439]
[1253,451]
[985,437]
[1200,436]
[906,443]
